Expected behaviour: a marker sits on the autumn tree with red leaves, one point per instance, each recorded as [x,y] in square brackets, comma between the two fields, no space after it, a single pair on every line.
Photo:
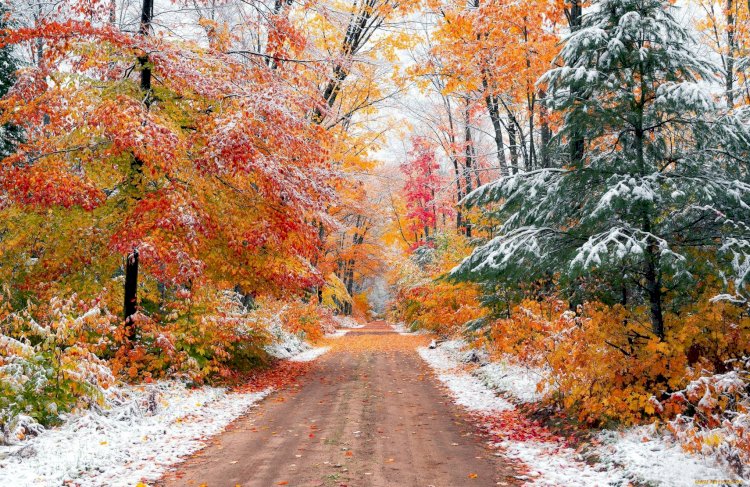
[422,189]
[202,161]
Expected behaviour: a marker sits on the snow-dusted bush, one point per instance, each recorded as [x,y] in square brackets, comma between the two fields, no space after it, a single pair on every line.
[715,415]
[46,368]
[292,324]
[204,335]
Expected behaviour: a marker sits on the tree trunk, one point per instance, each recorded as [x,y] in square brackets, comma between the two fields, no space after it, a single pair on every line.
[131,261]
[147,14]
[513,144]
[459,193]
[468,160]
[652,271]
[356,33]
[494,110]
[531,100]
[546,132]
[653,289]
[131,293]
[729,88]
[577,142]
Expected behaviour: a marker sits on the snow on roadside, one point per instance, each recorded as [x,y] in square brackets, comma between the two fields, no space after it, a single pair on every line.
[467,389]
[640,454]
[285,345]
[337,334]
[651,457]
[146,429]
[400,328]
[517,380]
[347,322]
[310,355]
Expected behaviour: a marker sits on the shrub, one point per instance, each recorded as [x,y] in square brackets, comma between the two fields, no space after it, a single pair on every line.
[308,319]
[46,368]
[714,415]
[439,307]
[603,364]
[200,337]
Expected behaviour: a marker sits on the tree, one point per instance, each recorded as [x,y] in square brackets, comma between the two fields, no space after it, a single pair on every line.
[205,162]
[10,134]
[498,49]
[421,191]
[662,188]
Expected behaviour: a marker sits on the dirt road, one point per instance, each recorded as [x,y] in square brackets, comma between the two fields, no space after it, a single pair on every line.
[369,414]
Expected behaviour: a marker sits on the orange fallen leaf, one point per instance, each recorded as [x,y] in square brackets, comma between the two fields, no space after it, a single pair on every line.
[349,454]
[283,482]
[473,475]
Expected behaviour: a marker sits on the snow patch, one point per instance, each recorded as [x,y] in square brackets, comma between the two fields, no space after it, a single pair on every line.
[400,328]
[285,345]
[347,322]
[468,391]
[519,381]
[650,456]
[310,355]
[337,334]
[145,430]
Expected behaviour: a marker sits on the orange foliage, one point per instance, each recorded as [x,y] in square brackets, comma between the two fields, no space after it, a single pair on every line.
[603,365]
[439,307]
[308,318]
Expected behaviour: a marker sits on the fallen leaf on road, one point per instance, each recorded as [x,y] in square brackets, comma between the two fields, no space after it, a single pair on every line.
[349,454]
[283,482]
[473,475]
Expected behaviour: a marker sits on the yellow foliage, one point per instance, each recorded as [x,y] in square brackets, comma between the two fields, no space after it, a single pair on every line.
[335,293]
[605,366]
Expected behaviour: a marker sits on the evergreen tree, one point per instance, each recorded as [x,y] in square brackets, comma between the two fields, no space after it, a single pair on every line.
[10,135]
[663,175]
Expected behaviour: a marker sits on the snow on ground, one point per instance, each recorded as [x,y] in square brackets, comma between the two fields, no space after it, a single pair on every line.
[400,328]
[337,334]
[517,380]
[347,322]
[285,345]
[310,355]
[652,457]
[640,454]
[467,389]
[146,429]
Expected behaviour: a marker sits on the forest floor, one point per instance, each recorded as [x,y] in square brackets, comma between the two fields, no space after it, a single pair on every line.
[369,413]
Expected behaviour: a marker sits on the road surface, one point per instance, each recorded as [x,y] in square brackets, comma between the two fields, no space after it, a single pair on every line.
[369,414]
